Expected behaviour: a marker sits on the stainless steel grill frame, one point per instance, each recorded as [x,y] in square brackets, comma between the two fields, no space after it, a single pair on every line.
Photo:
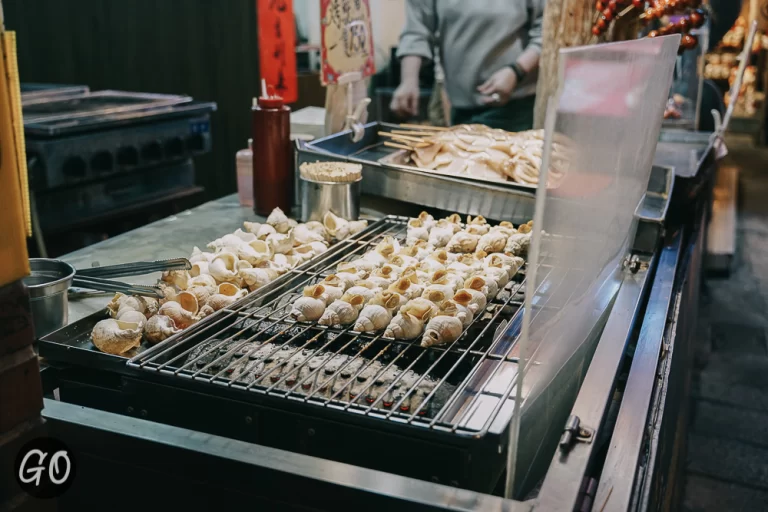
[482,362]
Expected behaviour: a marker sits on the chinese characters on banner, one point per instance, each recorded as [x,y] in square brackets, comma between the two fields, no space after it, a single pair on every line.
[347,39]
[277,47]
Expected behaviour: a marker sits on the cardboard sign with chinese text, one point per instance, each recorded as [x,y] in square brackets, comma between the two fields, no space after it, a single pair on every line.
[277,47]
[347,39]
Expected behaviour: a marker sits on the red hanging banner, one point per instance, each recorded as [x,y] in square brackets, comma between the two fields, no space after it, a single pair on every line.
[277,47]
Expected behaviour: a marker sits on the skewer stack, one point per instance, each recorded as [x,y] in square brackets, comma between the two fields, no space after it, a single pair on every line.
[413,137]
[337,172]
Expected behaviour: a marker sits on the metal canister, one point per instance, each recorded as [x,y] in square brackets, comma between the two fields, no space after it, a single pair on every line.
[319,197]
[47,285]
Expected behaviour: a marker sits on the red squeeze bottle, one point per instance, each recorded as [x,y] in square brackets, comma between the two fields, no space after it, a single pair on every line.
[272,167]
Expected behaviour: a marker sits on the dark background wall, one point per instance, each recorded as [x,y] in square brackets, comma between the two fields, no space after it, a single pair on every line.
[207,49]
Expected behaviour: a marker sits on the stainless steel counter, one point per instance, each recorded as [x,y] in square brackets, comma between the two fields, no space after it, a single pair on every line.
[684,150]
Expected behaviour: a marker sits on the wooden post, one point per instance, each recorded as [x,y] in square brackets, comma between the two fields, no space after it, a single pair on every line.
[21,389]
[566,23]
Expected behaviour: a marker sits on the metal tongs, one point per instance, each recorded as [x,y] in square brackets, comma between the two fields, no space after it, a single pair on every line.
[95,278]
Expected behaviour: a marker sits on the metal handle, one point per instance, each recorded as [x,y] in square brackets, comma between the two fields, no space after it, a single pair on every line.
[106,285]
[135,269]
[353,120]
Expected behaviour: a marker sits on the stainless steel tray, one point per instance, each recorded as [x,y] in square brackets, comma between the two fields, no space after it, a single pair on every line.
[52,115]
[400,159]
[91,104]
[499,201]
[34,91]
[687,151]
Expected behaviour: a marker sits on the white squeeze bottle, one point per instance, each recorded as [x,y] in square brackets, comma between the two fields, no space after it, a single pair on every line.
[244,161]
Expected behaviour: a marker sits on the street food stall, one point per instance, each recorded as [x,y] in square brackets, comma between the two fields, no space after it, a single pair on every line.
[448,319]
[540,391]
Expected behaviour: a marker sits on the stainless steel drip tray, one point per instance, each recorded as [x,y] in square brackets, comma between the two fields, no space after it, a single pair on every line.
[477,414]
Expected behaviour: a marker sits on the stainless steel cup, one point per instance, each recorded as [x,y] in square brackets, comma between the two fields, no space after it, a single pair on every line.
[318,197]
[48,285]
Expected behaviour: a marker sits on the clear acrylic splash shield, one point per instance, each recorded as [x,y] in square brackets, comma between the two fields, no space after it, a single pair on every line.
[601,133]
[688,82]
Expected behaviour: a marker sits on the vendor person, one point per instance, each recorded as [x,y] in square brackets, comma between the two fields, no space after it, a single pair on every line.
[489,52]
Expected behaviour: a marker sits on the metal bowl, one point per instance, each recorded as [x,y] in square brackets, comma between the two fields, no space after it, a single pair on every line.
[47,285]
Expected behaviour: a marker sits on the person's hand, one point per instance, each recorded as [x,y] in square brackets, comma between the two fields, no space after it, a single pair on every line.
[498,88]
[405,101]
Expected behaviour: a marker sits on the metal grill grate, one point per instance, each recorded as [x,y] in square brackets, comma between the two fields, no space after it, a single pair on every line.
[255,346]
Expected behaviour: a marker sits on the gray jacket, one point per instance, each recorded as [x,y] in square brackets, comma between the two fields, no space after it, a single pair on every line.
[477,38]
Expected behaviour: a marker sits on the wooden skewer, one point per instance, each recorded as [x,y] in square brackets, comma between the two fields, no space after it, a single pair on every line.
[425,127]
[401,137]
[408,142]
[627,11]
[398,146]
[405,142]
[409,132]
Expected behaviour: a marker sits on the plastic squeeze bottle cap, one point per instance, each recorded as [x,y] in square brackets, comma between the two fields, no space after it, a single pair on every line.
[268,98]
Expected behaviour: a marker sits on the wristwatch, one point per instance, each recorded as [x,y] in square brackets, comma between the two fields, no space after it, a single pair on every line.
[519,71]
